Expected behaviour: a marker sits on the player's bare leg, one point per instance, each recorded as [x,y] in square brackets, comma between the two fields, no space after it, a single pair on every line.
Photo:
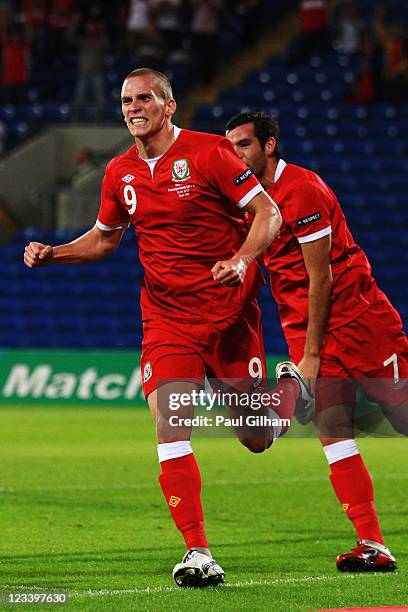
[180,481]
[353,486]
[391,395]
[255,438]
[398,417]
[290,397]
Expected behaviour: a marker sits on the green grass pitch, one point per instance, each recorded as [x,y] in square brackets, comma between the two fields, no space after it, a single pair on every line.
[81,510]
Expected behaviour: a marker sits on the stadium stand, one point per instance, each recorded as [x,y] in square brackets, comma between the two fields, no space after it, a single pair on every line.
[50,91]
[361,151]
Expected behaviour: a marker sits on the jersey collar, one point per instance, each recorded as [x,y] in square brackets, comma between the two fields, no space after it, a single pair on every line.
[153,160]
[279,169]
[176,132]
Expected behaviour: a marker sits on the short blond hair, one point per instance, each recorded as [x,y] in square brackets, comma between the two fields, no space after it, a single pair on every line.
[162,82]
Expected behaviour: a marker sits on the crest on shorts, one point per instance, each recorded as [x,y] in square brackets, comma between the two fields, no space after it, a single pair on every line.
[180,170]
[147,371]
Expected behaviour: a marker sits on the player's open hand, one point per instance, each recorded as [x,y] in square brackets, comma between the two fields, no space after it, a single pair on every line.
[230,272]
[37,254]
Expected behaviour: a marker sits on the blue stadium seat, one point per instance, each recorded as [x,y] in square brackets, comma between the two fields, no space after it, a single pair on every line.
[377,201]
[372,182]
[397,183]
[339,182]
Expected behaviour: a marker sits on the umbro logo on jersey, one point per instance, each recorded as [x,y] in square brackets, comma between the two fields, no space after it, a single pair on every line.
[128,178]
[243,177]
[306,220]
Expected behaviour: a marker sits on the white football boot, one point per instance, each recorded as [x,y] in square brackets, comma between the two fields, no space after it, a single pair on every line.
[305,405]
[197,570]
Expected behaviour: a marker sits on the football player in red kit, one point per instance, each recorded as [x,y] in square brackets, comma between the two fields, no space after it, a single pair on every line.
[185,193]
[338,324]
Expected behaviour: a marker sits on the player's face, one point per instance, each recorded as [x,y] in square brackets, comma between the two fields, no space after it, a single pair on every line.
[248,147]
[143,106]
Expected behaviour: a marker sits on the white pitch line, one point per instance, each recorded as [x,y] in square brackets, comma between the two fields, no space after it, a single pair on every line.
[233,585]
[153,485]
[77,594]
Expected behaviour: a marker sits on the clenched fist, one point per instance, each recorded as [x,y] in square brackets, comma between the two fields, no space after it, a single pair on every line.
[37,254]
[230,272]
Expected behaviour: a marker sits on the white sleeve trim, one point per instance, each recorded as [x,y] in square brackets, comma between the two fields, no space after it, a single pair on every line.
[311,237]
[250,195]
[110,228]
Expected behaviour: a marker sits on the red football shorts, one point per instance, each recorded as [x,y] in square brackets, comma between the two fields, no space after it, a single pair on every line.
[372,349]
[230,349]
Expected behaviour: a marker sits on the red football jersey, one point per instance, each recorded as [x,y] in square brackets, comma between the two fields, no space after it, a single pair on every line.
[310,210]
[186,207]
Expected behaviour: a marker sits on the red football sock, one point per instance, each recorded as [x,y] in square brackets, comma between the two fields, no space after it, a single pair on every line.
[286,392]
[353,486]
[180,481]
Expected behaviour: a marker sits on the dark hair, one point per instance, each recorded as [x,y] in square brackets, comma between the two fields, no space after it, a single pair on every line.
[162,82]
[265,127]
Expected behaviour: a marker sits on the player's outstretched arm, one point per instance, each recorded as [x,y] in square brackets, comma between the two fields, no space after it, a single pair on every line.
[91,246]
[266,223]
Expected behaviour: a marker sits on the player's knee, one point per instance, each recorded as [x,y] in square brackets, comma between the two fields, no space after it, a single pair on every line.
[255,445]
[398,417]
[400,424]
[401,428]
